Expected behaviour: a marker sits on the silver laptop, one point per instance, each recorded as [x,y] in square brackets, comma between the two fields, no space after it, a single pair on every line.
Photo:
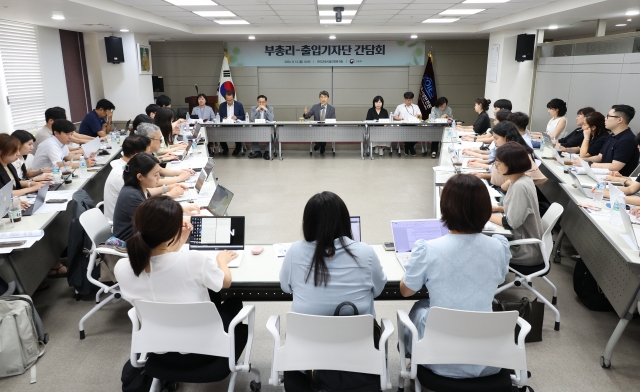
[635,172]
[5,199]
[212,234]
[355,228]
[583,188]
[40,198]
[220,201]
[588,171]
[407,232]
[192,194]
[628,228]
[186,150]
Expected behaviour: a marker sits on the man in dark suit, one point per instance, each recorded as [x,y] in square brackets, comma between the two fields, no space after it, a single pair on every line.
[231,109]
[320,112]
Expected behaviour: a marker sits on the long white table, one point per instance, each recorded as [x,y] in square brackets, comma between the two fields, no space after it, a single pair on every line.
[29,267]
[612,263]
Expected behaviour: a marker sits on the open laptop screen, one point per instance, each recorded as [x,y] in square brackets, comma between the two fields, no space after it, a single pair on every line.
[406,233]
[220,201]
[355,228]
[217,233]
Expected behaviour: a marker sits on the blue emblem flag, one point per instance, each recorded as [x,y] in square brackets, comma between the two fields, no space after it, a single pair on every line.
[428,94]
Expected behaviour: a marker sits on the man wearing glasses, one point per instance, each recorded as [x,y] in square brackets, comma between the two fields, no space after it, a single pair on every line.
[98,122]
[620,150]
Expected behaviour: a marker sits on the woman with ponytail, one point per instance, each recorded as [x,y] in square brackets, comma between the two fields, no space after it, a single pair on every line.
[141,175]
[157,271]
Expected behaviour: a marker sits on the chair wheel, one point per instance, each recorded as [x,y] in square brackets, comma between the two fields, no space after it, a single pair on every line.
[556,327]
[255,386]
[81,335]
[604,363]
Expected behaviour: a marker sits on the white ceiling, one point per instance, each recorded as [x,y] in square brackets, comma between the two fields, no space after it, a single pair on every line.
[299,20]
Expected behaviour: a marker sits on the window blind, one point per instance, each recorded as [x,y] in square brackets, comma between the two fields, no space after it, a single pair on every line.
[21,62]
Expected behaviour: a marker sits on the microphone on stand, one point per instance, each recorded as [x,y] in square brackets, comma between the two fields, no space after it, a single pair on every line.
[197,92]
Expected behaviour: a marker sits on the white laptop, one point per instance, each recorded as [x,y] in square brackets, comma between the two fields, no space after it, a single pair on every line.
[584,189]
[630,234]
[407,232]
[192,194]
[5,198]
[588,171]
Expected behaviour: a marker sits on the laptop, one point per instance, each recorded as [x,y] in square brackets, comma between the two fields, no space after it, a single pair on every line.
[407,232]
[220,201]
[5,199]
[355,229]
[583,189]
[212,234]
[635,172]
[40,198]
[548,144]
[628,229]
[192,194]
[186,151]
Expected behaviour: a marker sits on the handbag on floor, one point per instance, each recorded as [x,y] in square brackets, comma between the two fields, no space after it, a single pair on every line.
[588,290]
[531,311]
[335,380]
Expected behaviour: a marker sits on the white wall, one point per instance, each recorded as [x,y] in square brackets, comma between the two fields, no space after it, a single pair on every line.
[515,79]
[597,81]
[52,68]
[119,83]
[6,126]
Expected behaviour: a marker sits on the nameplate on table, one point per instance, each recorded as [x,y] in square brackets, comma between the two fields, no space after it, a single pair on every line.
[383,120]
[329,120]
[260,121]
[228,121]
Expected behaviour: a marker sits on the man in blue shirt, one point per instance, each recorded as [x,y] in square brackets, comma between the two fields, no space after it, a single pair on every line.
[620,150]
[231,110]
[94,123]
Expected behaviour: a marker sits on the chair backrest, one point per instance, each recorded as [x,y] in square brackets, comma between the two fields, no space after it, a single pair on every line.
[180,327]
[329,343]
[549,220]
[474,338]
[96,225]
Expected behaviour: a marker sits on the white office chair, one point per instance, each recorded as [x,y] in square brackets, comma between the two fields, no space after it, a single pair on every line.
[527,273]
[192,328]
[464,337]
[97,227]
[330,343]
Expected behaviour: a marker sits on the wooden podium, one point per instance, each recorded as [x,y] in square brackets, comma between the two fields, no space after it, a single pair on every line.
[212,100]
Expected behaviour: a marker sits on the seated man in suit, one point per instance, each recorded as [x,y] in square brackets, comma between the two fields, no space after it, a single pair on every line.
[231,109]
[260,111]
[320,112]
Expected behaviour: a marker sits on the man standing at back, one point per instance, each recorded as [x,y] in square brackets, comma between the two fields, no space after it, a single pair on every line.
[264,112]
[320,112]
[231,110]
[620,150]
[98,122]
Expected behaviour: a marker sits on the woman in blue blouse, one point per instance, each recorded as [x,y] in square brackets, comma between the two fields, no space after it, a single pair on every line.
[203,111]
[461,269]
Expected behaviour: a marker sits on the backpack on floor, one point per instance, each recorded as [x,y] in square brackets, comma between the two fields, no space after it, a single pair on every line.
[22,338]
[588,289]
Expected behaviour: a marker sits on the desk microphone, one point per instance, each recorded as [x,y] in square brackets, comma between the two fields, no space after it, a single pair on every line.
[197,92]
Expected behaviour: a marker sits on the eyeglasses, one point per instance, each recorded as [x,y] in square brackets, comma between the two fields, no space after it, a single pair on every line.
[608,115]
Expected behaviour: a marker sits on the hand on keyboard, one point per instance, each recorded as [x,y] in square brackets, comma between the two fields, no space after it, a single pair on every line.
[176,190]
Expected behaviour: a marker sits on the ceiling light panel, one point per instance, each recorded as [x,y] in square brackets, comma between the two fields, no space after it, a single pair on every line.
[215,14]
[462,11]
[440,20]
[231,21]
[339,2]
[191,2]
[484,1]
[332,13]
[333,21]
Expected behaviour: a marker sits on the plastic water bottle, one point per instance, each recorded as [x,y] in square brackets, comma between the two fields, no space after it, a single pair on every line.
[391,117]
[57,176]
[188,117]
[217,118]
[598,193]
[117,136]
[246,117]
[82,165]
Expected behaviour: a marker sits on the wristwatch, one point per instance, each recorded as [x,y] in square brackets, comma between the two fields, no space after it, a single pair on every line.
[164,189]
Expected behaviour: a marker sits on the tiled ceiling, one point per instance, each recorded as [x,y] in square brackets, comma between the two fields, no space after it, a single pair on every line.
[269,13]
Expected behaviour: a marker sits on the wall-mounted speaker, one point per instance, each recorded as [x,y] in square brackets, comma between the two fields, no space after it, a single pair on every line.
[525,47]
[115,54]
[158,84]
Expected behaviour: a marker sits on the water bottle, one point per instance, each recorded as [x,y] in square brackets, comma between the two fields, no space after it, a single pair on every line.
[82,165]
[188,117]
[246,117]
[57,177]
[217,118]
[391,117]
[598,193]
[15,210]
[117,136]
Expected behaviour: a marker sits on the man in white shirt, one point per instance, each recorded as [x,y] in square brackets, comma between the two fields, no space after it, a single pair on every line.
[55,150]
[408,112]
[51,115]
[130,147]
[521,121]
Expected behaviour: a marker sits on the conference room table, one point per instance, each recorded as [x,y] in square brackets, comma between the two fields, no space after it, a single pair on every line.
[611,261]
[28,267]
[366,133]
